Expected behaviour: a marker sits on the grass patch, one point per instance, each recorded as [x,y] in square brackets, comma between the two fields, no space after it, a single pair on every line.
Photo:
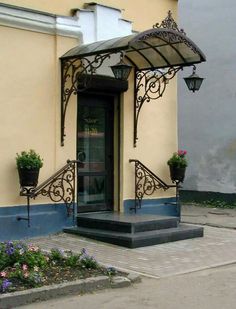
[212,203]
[208,199]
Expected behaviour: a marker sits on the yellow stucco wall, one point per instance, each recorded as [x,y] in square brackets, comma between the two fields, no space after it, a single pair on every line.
[30,108]
[30,101]
[142,13]
[157,137]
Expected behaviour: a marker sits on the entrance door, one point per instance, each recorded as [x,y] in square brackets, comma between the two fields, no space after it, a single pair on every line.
[95,152]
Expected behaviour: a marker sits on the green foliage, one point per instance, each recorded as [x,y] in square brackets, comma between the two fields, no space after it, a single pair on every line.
[22,264]
[178,159]
[29,160]
[56,255]
[213,203]
[72,260]
[14,254]
[87,261]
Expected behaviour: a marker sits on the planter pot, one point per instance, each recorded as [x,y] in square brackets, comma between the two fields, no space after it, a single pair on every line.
[28,178]
[177,173]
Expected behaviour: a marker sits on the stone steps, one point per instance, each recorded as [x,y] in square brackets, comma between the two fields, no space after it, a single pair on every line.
[133,230]
[125,223]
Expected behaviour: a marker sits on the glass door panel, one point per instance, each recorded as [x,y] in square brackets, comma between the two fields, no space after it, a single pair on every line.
[91,139]
[95,153]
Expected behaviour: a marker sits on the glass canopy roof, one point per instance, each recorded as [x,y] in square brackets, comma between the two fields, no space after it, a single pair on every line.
[151,49]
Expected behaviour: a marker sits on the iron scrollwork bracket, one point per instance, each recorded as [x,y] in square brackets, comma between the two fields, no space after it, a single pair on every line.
[146,183]
[150,85]
[76,76]
[59,188]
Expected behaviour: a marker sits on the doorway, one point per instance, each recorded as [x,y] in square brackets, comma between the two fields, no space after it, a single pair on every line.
[95,152]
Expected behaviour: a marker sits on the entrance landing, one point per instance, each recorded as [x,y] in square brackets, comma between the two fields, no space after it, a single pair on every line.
[133,230]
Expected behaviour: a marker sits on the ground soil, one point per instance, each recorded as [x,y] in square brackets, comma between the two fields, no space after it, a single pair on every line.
[59,274]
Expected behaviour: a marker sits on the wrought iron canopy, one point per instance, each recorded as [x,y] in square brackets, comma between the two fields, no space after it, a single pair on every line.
[156,56]
[154,48]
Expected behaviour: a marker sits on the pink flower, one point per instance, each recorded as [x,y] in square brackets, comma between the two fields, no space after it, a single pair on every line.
[182,153]
[33,248]
[3,274]
[24,267]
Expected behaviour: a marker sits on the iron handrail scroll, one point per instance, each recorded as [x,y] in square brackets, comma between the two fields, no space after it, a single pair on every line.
[60,187]
[146,183]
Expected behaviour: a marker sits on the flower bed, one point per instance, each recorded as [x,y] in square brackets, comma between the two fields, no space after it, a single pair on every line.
[25,266]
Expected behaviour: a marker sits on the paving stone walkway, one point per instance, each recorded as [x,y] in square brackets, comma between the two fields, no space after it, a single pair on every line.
[217,247]
[216,217]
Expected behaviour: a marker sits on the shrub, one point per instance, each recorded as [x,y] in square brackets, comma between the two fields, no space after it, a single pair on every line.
[29,160]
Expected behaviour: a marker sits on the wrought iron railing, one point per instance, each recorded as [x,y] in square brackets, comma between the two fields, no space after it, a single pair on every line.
[60,187]
[146,183]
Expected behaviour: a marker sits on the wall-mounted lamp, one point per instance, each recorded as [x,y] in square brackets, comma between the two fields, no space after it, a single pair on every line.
[121,70]
[193,81]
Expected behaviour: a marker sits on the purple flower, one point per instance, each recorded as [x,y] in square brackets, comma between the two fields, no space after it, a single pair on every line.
[9,251]
[19,246]
[5,285]
[83,251]
[9,243]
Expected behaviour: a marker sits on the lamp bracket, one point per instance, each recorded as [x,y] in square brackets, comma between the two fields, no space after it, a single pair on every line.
[71,72]
[150,85]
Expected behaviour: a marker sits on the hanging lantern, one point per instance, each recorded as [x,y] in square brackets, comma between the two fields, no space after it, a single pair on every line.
[121,70]
[193,81]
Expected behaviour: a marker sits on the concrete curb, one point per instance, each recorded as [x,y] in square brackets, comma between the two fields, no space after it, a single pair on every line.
[15,299]
[120,282]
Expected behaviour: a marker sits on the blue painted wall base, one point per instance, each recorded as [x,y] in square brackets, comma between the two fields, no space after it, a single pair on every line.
[162,207]
[44,219]
[52,218]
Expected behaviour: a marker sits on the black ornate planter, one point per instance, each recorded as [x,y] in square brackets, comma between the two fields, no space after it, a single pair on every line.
[28,178]
[177,173]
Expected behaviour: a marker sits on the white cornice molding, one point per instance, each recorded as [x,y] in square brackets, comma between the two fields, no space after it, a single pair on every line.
[95,22]
[21,18]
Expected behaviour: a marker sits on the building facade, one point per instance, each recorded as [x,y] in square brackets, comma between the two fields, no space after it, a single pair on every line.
[94,126]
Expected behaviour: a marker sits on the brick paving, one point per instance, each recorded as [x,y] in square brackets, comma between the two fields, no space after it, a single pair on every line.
[217,247]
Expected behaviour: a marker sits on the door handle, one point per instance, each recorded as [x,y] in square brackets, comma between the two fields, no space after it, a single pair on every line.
[81,156]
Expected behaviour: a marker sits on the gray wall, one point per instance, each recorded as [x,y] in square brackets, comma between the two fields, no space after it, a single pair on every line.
[207,119]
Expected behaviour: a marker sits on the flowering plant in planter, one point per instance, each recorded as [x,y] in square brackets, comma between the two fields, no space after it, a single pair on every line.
[177,164]
[178,159]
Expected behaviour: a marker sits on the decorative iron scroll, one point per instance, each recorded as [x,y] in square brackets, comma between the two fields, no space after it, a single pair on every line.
[146,183]
[172,34]
[76,75]
[169,23]
[59,188]
[150,85]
